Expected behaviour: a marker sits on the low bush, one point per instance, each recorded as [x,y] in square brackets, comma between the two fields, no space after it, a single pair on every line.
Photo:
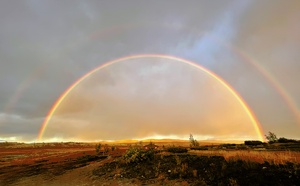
[253,143]
[285,140]
[199,148]
[205,170]
[137,155]
[177,150]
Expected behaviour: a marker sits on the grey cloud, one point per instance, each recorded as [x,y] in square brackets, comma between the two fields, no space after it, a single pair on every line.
[49,45]
[142,95]
[15,126]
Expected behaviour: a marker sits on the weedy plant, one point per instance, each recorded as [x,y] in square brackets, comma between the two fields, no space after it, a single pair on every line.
[137,155]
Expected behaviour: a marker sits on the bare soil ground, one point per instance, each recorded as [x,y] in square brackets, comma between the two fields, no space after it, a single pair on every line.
[80,165]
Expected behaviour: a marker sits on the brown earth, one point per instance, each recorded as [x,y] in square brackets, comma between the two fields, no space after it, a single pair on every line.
[70,165]
[80,165]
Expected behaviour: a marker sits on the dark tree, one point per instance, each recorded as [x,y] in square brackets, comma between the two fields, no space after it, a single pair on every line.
[271,137]
[193,142]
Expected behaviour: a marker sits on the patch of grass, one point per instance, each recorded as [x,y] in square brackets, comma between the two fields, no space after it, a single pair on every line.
[274,157]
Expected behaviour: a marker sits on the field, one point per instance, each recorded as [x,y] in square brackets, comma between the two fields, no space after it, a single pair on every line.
[79,164]
[274,157]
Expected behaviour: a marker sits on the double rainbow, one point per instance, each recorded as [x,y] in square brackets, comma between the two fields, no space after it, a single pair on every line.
[247,109]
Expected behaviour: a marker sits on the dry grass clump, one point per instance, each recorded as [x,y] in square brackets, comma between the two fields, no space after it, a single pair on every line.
[274,157]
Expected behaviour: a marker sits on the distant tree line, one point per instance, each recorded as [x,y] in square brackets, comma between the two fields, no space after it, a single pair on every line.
[272,138]
[253,142]
[285,140]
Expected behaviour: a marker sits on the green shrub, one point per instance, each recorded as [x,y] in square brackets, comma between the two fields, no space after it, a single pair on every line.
[137,155]
[271,137]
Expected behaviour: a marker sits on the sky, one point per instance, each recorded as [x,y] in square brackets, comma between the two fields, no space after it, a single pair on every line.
[46,46]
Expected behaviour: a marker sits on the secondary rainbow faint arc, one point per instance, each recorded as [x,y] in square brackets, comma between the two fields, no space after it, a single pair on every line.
[249,112]
[269,77]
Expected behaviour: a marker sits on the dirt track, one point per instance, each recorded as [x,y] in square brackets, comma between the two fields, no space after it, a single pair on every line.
[81,166]
[57,166]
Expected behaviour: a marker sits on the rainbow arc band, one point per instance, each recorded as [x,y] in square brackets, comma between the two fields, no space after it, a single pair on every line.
[255,122]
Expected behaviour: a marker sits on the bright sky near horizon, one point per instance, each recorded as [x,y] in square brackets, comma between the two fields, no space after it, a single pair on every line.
[46,46]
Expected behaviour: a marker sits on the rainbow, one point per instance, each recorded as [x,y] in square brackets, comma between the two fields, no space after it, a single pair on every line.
[267,75]
[272,80]
[286,97]
[247,109]
[22,89]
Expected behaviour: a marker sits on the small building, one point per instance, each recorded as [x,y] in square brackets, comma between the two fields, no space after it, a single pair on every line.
[151,146]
